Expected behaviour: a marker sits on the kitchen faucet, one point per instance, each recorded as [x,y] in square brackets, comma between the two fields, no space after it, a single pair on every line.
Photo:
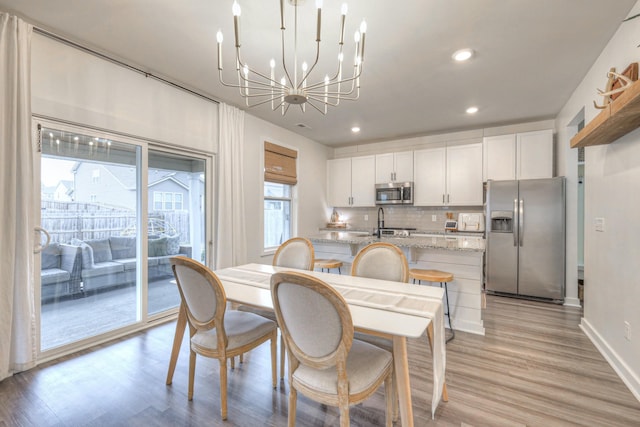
[380,221]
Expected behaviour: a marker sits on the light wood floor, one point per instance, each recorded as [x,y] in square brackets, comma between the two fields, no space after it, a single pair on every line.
[534,367]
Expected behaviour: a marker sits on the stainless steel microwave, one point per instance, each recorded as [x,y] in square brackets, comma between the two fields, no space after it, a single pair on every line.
[394,193]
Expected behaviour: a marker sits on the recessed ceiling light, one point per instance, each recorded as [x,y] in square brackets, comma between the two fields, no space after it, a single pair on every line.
[472,110]
[462,54]
[355,129]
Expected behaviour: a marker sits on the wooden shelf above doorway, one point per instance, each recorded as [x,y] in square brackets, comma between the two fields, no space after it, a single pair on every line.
[618,119]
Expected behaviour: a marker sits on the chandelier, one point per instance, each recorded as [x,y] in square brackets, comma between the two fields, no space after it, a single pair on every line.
[296,87]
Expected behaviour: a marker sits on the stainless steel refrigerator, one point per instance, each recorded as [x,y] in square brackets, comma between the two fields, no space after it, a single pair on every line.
[525,247]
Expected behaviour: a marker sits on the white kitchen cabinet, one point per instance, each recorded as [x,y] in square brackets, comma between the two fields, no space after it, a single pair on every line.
[351,182]
[448,176]
[527,155]
[394,167]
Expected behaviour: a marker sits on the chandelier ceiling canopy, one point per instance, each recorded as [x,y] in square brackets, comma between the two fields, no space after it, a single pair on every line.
[291,80]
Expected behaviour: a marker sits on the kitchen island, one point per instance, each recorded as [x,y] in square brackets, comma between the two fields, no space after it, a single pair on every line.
[461,255]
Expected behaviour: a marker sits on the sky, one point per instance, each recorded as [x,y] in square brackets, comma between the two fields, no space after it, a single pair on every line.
[55,170]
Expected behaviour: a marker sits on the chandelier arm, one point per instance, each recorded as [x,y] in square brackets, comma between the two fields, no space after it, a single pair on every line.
[243,65]
[313,66]
[356,74]
[321,100]
[263,87]
[312,104]
[284,64]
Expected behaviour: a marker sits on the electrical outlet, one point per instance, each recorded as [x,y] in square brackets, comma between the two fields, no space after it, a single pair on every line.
[599,224]
[366,217]
[434,218]
[627,330]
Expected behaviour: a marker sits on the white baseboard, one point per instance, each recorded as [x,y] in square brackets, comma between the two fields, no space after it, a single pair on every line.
[467,326]
[627,376]
[572,302]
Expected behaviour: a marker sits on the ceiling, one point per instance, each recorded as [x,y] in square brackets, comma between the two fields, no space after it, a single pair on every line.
[530,55]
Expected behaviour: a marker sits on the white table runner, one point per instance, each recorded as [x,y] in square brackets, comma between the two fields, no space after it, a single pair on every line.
[378,294]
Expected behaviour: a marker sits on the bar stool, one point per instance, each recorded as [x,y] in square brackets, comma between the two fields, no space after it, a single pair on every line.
[435,276]
[328,264]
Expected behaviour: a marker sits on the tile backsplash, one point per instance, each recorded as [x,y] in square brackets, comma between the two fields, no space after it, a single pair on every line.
[418,217]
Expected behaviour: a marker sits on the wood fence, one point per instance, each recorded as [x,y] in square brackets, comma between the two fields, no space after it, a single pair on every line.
[85,221]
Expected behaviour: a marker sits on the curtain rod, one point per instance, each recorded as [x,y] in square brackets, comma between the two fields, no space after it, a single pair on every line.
[120,63]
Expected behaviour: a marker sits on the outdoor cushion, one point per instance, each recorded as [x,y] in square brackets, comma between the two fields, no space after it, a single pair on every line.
[158,247]
[101,250]
[122,247]
[173,245]
[50,257]
[128,263]
[54,275]
[103,268]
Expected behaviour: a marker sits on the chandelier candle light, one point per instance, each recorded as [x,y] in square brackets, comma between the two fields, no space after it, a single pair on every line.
[258,88]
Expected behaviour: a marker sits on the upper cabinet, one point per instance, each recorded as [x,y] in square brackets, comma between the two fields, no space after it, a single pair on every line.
[448,176]
[527,155]
[394,167]
[351,182]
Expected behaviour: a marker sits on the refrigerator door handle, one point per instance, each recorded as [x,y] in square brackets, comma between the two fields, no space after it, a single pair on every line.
[515,215]
[521,222]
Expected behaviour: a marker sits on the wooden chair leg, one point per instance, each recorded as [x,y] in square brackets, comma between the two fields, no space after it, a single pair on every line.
[241,358]
[192,373]
[390,398]
[232,362]
[223,389]
[274,352]
[293,397]
[282,356]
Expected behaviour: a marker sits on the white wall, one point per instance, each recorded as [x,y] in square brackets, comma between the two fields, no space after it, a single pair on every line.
[312,210]
[69,84]
[612,185]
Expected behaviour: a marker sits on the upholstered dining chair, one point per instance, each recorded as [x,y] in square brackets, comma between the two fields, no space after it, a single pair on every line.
[384,261]
[296,252]
[325,363]
[214,332]
[381,260]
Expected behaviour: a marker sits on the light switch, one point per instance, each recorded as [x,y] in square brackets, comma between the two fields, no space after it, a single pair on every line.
[599,224]
[434,218]
[366,217]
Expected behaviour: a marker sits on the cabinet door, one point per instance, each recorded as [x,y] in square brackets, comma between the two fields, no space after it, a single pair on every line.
[499,157]
[339,182]
[429,176]
[403,166]
[535,154]
[384,168]
[363,175]
[464,175]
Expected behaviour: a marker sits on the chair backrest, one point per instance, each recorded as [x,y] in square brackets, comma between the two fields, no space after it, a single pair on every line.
[383,261]
[296,252]
[314,319]
[202,294]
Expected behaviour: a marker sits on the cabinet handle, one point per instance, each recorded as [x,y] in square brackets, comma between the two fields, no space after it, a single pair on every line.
[447,198]
[442,198]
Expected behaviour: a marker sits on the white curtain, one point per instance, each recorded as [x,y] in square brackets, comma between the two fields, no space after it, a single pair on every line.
[17,307]
[231,246]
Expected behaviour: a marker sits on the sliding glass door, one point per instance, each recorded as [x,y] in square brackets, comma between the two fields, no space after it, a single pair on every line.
[176,221]
[115,210]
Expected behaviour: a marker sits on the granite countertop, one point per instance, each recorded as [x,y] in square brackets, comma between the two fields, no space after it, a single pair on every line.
[457,243]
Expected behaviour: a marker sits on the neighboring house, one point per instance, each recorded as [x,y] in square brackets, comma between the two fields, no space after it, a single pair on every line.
[116,186]
[47,192]
[64,191]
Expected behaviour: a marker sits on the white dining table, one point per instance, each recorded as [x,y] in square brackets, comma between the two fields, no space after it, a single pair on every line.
[385,308]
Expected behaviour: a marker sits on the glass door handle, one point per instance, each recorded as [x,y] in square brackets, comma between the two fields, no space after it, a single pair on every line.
[39,248]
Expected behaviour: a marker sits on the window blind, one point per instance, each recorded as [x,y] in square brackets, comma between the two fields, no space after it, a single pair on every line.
[280,164]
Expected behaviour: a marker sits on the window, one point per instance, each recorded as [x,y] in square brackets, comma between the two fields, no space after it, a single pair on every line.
[277,214]
[95,176]
[167,201]
[279,178]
